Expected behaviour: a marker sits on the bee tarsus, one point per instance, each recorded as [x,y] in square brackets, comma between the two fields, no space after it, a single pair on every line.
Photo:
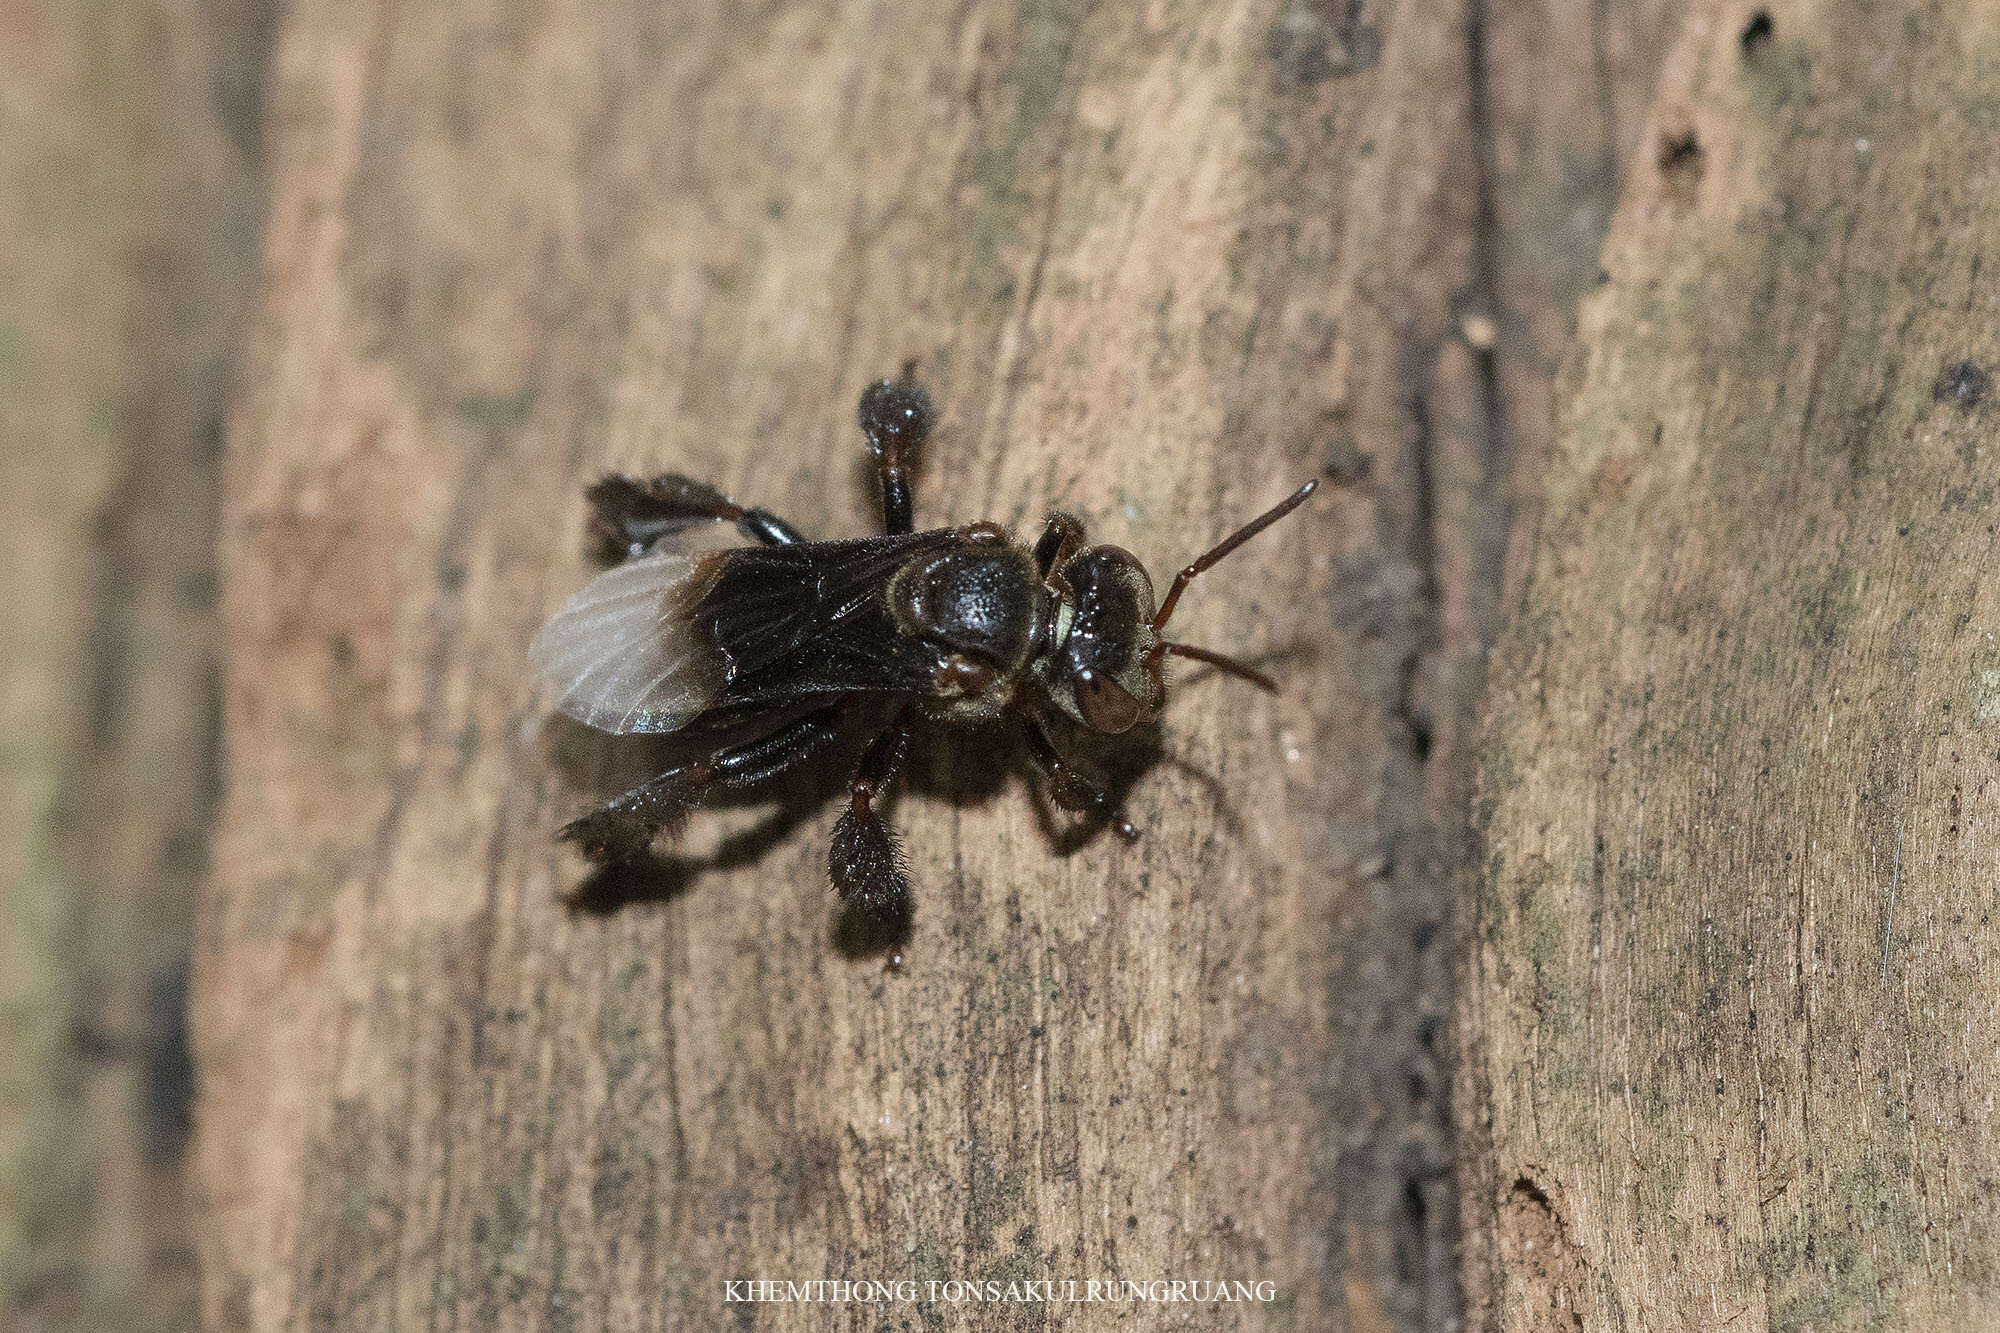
[865,859]
[1072,791]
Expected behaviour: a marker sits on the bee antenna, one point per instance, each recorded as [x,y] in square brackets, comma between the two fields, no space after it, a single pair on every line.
[1223,662]
[1225,546]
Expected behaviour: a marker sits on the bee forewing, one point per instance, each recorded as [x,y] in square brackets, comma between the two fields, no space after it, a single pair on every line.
[622,655]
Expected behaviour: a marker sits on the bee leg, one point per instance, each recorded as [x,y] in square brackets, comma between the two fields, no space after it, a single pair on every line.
[896,417]
[865,861]
[1060,538]
[629,515]
[1069,788]
[625,826]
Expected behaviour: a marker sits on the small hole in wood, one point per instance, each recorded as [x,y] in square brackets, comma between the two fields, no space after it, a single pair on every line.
[1682,161]
[1757,34]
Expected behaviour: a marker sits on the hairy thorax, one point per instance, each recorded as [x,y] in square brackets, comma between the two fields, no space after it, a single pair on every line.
[984,611]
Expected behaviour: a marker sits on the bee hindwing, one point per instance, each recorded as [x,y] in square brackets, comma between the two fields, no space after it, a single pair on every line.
[623,654]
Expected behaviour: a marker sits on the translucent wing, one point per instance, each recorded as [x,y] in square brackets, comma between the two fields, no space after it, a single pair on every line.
[623,655]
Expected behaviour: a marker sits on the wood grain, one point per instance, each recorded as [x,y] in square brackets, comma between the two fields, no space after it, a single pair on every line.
[127,203]
[64,207]
[1730,1020]
[1157,263]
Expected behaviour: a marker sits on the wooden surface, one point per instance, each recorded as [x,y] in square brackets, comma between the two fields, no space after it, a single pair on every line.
[1729,1023]
[1724,1042]
[58,333]
[127,165]
[1157,263]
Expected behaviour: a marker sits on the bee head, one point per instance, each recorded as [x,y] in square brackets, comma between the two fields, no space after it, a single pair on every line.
[1104,669]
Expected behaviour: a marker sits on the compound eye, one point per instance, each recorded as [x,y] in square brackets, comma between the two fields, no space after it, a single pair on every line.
[1106,705]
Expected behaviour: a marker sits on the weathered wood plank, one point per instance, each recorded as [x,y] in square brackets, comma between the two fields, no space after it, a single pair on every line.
[1157,263]
[1731,1014]
[128,206]
[64,208]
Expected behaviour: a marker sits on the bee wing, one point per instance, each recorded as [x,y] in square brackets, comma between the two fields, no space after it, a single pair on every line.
[623,654]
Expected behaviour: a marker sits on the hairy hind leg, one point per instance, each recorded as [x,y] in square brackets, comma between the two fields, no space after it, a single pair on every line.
[865,861]
[629,515]
[625,826]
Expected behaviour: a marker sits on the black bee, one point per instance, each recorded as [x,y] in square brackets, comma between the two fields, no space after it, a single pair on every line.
[788,642]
